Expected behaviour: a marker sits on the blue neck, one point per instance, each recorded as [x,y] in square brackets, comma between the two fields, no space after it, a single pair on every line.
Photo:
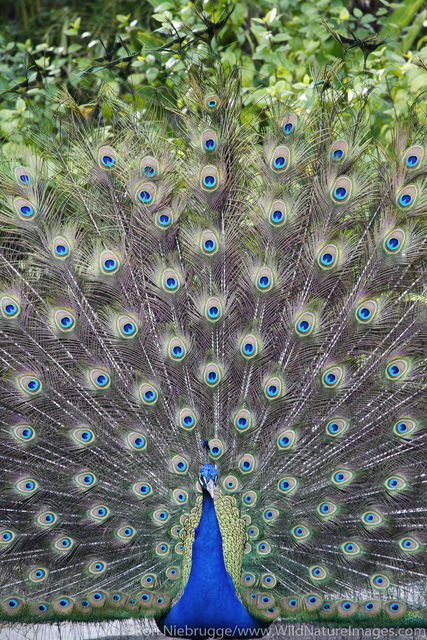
[209,601]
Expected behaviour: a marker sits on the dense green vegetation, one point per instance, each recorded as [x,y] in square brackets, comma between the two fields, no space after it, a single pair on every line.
[282,47]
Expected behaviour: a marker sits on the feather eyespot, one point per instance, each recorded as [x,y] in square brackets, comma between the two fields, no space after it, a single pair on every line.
[64,320]
[162,549]
[208,243]
[288,124]
[413,157]
[213,309]
[46,519]
[287,485]
[291,604]
[146,193]
[99,512]
[148,394]
[161,515]
[64,544]
[109,263]
[379,581]
[264,279]
[328,256]
[187,419]
[142,489]
[248,579]
[82,435]
[394,241]
[327,509]
[12,606]
[9,307]
[209,140]
[270,514]
[351,548]
[209,178]
[164,218]
[332,376]
[96,567]
[305,323]
[346,608]
[23,433]
[216,449]
[137,440]
[170,280]
[341,190]
[125,533]
[405,427]
[395,609]
[24,176]
[242,420]
[318,573]
[177,349]
[366,311]
[336,427]
[180,496]
[253,532]
[397,368]
[249,346]
[249,498]
[180,464]
[38,575]
[30,384]
[126,326]
[85,480]
[148,581]
[286,439]
[396,483]
[173,573]
[273,388]
[263,548]
[40,608]
[7,536]
[280,159]
[97,598]
[342,477]
[211,102]
[246,463]
[407,196]
[212,375]
[371,607]
[372,518]
[25,209]
[61,248]
[338,151]
[230,483]
[409,545]
[26,486]
[150,167]
[276,214]
[107,157]
[99,378]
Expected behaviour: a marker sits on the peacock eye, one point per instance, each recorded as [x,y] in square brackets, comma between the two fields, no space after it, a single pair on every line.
[9,307]
[286,439]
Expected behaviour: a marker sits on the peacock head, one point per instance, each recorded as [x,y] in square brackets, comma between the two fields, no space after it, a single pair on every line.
[208,479]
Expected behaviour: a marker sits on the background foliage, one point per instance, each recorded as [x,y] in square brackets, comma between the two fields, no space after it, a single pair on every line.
[281,46]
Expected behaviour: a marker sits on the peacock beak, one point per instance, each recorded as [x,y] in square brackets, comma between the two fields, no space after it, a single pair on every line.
[210,487]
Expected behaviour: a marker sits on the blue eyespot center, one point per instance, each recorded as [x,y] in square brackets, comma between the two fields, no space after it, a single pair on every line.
[171,283]
[284,441]
[177,351]
[339,477]
[242,422]
[10,309]
[212,376]
[337,154]
[25,178]
[102,380]
[349,547]
[66,321]
[110,264]
[212,103]
[209,245]
[213,312]
[312,599]
[364,313]
[324,508]
[272,390]
[394,370]
[145,196]
[405,200]
[277,215]
[279,162]
[330,378]
[164,219]
[149,395]
[188,420]
[303,326]
[33,385]
[284,484]
[369,606]
[26,211]
[61,250]
[412,161]
[340,193]
[393,243]
[210,144]
[248,348]
[209,181]
[326,258]
[346,605]
[107,161]
[402,427]
[149,171]
[129,328]
[288,128]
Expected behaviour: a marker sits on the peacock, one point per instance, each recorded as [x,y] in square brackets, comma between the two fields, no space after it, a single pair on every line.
[212,339]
